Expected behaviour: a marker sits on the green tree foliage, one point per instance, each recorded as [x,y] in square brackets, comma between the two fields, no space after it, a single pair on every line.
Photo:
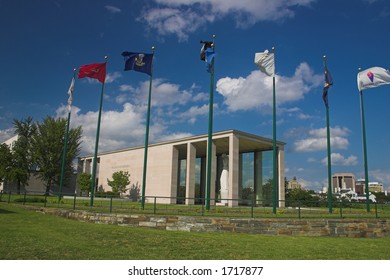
[47,147]
[120,180]
[302,197]
[85,182]
[22,159]
[5,162]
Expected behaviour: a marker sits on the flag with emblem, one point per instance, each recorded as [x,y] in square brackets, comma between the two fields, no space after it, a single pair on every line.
[266,62]
[327,84]
[94,71]
[373,77]
[140,62]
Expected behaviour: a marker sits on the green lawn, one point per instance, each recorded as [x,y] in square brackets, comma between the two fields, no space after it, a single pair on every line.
[27,234]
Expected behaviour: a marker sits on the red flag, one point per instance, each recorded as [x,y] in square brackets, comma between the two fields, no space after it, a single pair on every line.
[94,71]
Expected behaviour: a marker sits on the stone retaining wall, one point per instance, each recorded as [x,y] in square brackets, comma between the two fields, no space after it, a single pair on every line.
[373,228]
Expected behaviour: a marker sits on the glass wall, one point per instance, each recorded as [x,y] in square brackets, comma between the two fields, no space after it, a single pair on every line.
[255,180]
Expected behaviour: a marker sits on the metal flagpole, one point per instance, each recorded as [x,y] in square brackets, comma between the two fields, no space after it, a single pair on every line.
[274,151]
[66,142]
[147,137]
[96,145]
[364,151]
[329,154]
[210,133]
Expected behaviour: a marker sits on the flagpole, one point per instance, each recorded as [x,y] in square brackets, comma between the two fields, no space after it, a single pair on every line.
[330,202]
[364,151]
[65,145]
[274,152]
[97,144]
[147,138]
[210,133]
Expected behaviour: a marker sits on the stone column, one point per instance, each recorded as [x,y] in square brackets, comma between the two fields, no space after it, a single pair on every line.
[282,196]
[190,176]
[174,175]
[234,158]
[213,173]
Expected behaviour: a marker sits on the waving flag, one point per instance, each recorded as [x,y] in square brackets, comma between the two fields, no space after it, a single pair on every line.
[373,77]
[70,93]
[266,62]
[209,59]
[327,84]
[206,45]
[140,62]
[94,71]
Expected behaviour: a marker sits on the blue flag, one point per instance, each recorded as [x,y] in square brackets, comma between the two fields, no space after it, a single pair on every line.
[140,62]
[328,83]
[209,59]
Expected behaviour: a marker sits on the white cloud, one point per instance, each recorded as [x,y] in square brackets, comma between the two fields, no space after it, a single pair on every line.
[309,185]
[339,159]
[316,139]
[181,17]
[163,93]
[255,91]
[111,77]
[112,9]
[126,127]
[118,129]
[382,176]
[191,114]
[6,134]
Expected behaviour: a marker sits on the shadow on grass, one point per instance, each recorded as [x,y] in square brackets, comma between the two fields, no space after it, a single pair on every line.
[3,211]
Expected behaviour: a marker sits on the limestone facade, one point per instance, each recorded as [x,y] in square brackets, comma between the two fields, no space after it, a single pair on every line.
[181,163]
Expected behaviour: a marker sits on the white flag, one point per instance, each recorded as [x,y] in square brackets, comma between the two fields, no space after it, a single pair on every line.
[373,77]
[266,62]
[70,93]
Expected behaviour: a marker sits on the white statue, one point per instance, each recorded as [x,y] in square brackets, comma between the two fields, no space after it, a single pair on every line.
[224,179]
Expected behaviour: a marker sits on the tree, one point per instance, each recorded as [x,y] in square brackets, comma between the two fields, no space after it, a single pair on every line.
[134,192]
[5,162]
[47,146]
[85,182]
[298,196]
[120,180]
[22,160]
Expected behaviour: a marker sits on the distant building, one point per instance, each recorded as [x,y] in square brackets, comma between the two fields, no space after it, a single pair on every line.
[372,186]
[360,187]
[375,187]
[343,181]
[293,184]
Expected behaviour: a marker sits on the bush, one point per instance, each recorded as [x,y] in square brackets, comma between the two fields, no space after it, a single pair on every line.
[107,194]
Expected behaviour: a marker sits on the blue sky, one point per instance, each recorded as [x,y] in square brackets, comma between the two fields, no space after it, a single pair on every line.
[42,41]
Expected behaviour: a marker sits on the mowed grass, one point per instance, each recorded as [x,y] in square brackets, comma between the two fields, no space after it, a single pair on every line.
[28,235]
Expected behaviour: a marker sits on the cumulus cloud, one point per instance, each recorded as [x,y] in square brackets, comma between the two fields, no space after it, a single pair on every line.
[339,159]
[255,90]
[316,139]
[181,17]
[164,93]
[111,77]
[125,127]
[118,129]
